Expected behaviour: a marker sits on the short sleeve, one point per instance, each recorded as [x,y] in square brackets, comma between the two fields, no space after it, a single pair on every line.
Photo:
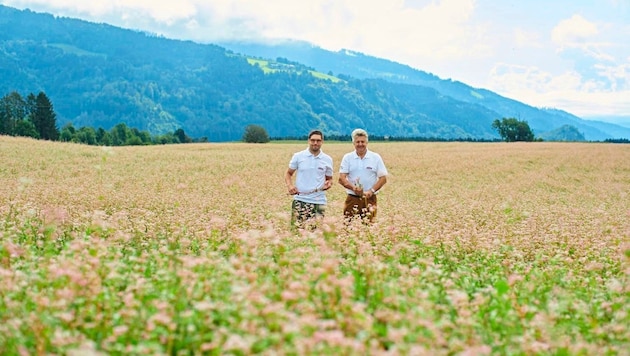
[329,168]
[345,165]
[293,163]
[381,171]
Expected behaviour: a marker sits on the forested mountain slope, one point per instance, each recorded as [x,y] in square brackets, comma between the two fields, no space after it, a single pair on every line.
[100,75]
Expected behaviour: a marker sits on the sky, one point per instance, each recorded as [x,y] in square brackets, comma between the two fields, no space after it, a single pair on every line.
[572,55]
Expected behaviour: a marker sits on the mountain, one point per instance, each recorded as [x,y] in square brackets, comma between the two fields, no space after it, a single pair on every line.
[617,120]
[359,65]
[564,133]
[99,75]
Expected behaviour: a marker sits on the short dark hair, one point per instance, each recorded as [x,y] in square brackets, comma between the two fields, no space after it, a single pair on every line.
[315,132]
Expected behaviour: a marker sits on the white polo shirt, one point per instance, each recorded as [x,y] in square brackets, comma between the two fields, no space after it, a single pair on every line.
[311,174]
[365,171]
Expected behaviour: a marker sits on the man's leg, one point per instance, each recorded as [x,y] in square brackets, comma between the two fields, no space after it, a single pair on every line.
[352,207]
[300,212]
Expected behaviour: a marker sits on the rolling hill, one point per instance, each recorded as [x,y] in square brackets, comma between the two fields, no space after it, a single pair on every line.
[99,75]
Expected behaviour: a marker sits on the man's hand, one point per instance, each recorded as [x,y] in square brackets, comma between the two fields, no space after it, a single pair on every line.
[327,184]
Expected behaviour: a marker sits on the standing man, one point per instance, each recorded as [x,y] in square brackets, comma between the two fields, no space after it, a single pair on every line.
[363,174]
[314,175]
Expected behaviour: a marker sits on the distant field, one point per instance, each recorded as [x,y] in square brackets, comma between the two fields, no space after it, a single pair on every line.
[479,248]
[75,50]
[272,67]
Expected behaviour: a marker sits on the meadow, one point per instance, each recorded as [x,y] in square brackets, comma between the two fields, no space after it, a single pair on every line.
[478,249]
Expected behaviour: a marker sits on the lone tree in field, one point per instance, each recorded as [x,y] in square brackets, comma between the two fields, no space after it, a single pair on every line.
[255,134]
[512,130]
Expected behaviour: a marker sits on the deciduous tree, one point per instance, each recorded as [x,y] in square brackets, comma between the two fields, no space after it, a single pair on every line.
[255,134]
[511,130]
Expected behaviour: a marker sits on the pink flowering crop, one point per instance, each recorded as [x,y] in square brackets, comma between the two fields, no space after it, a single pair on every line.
[478,249]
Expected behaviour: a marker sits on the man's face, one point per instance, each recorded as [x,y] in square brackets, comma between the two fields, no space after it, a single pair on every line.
[360,144]
[315,143]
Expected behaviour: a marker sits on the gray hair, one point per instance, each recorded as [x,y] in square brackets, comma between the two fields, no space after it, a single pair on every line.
[359,132]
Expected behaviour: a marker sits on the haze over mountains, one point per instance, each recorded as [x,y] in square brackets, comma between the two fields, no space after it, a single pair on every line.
[100,75]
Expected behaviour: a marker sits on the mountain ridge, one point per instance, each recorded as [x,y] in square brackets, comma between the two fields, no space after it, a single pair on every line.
[390,70]
[99,75]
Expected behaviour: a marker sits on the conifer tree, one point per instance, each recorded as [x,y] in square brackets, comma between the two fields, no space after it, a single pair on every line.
[44,118]
[12,109]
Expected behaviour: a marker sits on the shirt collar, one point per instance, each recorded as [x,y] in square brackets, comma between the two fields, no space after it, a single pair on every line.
[311,153]
[356,155]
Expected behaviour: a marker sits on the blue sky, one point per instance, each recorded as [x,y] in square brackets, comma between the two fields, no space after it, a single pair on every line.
[572,55]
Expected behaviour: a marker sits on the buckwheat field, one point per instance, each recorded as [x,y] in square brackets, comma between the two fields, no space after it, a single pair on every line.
[478,249]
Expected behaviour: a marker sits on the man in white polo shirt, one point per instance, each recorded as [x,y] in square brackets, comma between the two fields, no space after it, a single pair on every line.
[314,176]
[363,174]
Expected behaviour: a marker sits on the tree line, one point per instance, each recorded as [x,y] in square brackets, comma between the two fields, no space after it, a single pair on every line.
[30,117]
[35,117]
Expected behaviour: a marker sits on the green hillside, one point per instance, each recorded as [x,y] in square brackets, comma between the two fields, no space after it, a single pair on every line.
[99,75]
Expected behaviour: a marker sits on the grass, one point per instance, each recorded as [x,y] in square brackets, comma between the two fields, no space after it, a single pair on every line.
[273,67]
[479,248]
[66,48]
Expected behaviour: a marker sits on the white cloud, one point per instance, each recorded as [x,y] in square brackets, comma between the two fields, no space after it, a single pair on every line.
[435,29]
[618,76]
[536,87]
[381,28]
[162,11]
[573,31]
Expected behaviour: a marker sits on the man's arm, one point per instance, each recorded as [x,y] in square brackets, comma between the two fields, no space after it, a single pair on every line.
[379,183]
[328,183]
[377,186]
[343,180]
[288,180]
